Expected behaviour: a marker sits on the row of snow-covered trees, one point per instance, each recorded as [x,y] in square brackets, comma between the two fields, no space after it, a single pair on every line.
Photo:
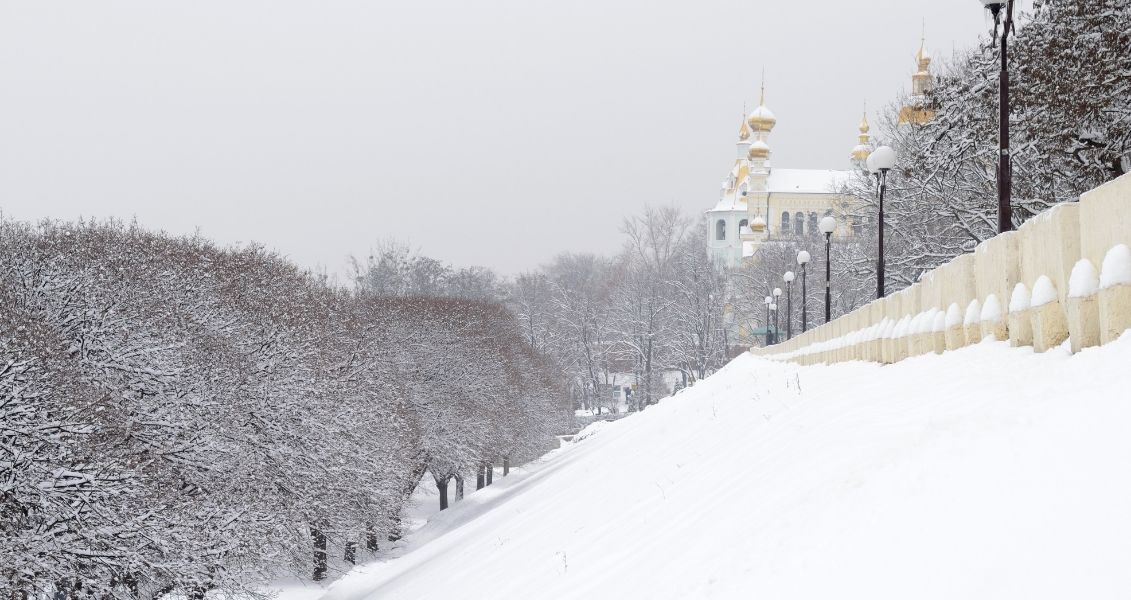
[655,307]
[180,417]
[1071,131]
[394,270]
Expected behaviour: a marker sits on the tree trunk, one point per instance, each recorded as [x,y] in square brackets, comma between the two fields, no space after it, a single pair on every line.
[442,487]
[370,538]
[320,567]
[63,590]
[350,555]
[130,580]
[490,473]
[480,476]
[506,466]
[459,487]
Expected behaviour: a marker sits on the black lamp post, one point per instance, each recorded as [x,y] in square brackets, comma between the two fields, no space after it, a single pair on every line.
[803,259]
[1004,160]
[768,302]
[828,226]
[880,161]
[774,312]
[774,306]
[788,277]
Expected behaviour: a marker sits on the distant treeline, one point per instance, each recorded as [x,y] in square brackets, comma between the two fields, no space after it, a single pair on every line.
[658,306]
[179,417]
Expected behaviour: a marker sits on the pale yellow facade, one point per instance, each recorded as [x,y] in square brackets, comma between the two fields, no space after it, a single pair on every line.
[759,202]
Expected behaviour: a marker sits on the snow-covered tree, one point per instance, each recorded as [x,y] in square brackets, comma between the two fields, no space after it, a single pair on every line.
[181,417]
[1070,132]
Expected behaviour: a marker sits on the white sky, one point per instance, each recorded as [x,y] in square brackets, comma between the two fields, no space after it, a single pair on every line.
[496,133]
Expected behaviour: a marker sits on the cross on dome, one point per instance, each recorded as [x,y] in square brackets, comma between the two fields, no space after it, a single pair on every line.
[762,119]
[864,147]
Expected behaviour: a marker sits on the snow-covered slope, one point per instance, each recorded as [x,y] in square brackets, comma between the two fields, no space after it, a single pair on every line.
[988,472]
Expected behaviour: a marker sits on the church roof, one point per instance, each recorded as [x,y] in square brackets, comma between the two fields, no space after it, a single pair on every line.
[789,181]
[806,181]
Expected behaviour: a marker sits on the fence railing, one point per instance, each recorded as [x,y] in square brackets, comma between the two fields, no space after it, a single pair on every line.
[1063,275]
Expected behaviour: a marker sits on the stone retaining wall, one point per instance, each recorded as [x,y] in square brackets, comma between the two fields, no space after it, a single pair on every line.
[1063,275]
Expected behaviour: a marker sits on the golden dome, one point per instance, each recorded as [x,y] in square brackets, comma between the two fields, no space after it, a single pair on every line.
[762,119]
[759,150]
[758,225]
[861,151]
[743,131]
[921,57]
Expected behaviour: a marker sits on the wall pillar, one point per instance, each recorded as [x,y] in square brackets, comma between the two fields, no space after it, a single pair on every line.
[1020,320]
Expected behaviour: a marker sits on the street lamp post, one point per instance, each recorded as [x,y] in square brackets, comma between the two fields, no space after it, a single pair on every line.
[788,277]
[768,302]
[774,309]
[1004,160]
[828,226]
[777,330]
[880,161]
[803,259]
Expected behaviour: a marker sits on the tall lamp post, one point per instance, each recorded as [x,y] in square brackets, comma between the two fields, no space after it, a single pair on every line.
[803,259]
[768,302]
[774,309]
[1004,160]
[828,226]
[788,277]
[777,330]
[880,161]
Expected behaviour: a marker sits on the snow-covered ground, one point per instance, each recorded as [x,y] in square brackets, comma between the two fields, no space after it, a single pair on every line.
[987,472]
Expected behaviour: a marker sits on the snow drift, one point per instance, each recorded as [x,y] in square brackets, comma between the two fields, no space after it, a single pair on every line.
[988,472]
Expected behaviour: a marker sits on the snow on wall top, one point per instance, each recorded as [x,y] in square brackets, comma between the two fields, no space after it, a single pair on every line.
[991,310]
[953,315]
[940,322]
[1116,268]
[973,313]
[1084,280]
[1043,292]
[1020,299]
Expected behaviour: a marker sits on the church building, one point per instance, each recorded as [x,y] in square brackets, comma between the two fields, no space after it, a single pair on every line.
[759,202]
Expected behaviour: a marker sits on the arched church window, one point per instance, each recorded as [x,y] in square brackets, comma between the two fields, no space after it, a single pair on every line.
[857,227]
[720,230]
[813,223]
[799,224]
[741,224]
[785,222]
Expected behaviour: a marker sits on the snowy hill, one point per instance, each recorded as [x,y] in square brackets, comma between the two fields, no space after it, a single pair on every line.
[987,472]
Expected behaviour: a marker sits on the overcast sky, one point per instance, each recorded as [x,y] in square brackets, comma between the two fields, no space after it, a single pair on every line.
[494,133]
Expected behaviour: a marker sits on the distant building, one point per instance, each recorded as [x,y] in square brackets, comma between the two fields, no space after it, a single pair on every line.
[917,111]
[759,202]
